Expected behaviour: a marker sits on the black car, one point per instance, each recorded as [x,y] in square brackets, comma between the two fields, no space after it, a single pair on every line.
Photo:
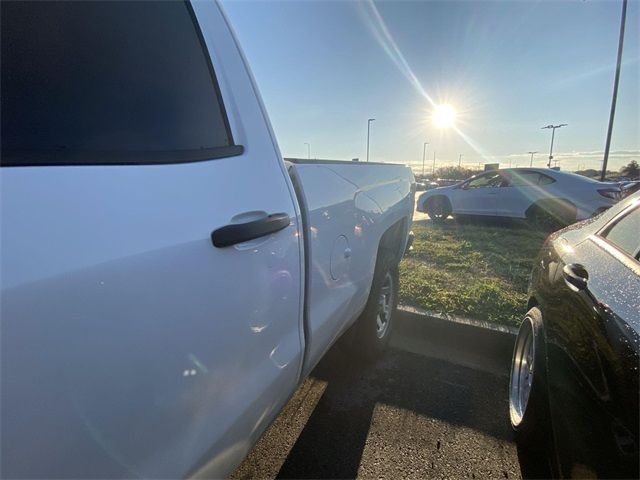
[573,395]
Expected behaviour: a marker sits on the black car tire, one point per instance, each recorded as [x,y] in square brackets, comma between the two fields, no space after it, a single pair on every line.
[438,209]
[366,338]
[552,214]
[539,219]
[532,426]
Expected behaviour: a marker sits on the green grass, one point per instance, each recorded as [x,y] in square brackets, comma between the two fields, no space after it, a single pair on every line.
[476,270]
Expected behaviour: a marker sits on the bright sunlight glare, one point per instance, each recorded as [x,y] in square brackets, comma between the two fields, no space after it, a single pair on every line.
[444,116]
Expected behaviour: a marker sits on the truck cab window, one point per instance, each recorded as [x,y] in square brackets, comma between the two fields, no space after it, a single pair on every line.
[107,82]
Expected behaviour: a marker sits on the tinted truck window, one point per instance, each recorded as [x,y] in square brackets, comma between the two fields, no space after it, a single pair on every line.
[107,82]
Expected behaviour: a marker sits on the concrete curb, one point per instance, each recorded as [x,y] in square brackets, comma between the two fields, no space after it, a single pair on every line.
[457,340]
[461,320]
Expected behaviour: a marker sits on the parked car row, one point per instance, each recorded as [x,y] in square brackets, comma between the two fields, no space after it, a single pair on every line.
[545,197]
[435,183]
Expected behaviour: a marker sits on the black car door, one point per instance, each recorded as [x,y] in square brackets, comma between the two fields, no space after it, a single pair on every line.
[593,379]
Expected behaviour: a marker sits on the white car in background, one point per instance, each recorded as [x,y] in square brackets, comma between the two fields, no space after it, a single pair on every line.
[543,196]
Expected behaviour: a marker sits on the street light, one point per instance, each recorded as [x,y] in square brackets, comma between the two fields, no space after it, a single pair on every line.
[614,98]
[553,134]
[460,160]
[532,154]
[424,152]
[368,134]
[308,150]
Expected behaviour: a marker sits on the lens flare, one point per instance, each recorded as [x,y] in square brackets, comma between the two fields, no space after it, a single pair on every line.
[444,116]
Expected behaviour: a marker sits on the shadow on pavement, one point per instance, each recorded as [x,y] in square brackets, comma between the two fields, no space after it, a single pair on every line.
[332,442]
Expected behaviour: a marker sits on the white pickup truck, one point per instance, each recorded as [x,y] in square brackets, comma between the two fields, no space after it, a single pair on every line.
[167,279]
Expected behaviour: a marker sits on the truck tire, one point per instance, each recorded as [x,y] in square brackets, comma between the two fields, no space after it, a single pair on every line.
[373,328]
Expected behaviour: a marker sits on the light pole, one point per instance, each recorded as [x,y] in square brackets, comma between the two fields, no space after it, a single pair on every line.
[614,98]
[369,134]
[433,169]
[308,150]
[553,134]
[459,160]
[531,161]
[424,153]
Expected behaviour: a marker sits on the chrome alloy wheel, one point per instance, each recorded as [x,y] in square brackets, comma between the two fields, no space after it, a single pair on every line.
[521,372]
[385,305]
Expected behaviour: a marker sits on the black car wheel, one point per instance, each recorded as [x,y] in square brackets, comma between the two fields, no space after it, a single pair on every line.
[549,215]
[528,401]
[438,209]
[539,219]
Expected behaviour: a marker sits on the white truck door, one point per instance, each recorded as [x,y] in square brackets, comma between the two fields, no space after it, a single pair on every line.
[131,345]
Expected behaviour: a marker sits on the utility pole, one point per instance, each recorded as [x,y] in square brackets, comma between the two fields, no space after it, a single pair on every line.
[459,160]
[553,134]
[368,134]
[424,153]
[308,150]
[433,169]
[531,161]
[614,98]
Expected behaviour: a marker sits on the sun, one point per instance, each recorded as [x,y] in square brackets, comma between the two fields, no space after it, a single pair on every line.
[444,116]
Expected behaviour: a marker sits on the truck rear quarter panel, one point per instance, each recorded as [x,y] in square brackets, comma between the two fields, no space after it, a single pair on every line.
[348,208]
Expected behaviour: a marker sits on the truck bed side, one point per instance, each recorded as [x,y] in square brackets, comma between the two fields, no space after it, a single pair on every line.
[346,208]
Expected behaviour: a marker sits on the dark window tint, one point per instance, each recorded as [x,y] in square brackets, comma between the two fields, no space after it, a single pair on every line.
[107,82]
[625,233]
[527,179]
[491,179]
[523,179]
[545,180]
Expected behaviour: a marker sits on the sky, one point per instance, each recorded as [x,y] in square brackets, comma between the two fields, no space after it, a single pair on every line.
[507,67]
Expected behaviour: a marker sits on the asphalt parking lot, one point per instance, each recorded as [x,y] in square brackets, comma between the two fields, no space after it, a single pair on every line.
[435,406]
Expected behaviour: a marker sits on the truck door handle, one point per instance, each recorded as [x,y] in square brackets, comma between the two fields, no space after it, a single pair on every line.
[243,232]
[575,276]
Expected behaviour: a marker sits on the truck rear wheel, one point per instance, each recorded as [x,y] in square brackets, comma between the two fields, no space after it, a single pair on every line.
[373,328]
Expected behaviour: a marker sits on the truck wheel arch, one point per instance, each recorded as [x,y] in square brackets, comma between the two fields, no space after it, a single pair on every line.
[392,239]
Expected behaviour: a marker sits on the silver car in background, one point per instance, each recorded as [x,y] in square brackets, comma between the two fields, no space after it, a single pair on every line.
[541,195]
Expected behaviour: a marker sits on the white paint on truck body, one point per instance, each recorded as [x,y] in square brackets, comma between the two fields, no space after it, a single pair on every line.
[131,346]
[358,202]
